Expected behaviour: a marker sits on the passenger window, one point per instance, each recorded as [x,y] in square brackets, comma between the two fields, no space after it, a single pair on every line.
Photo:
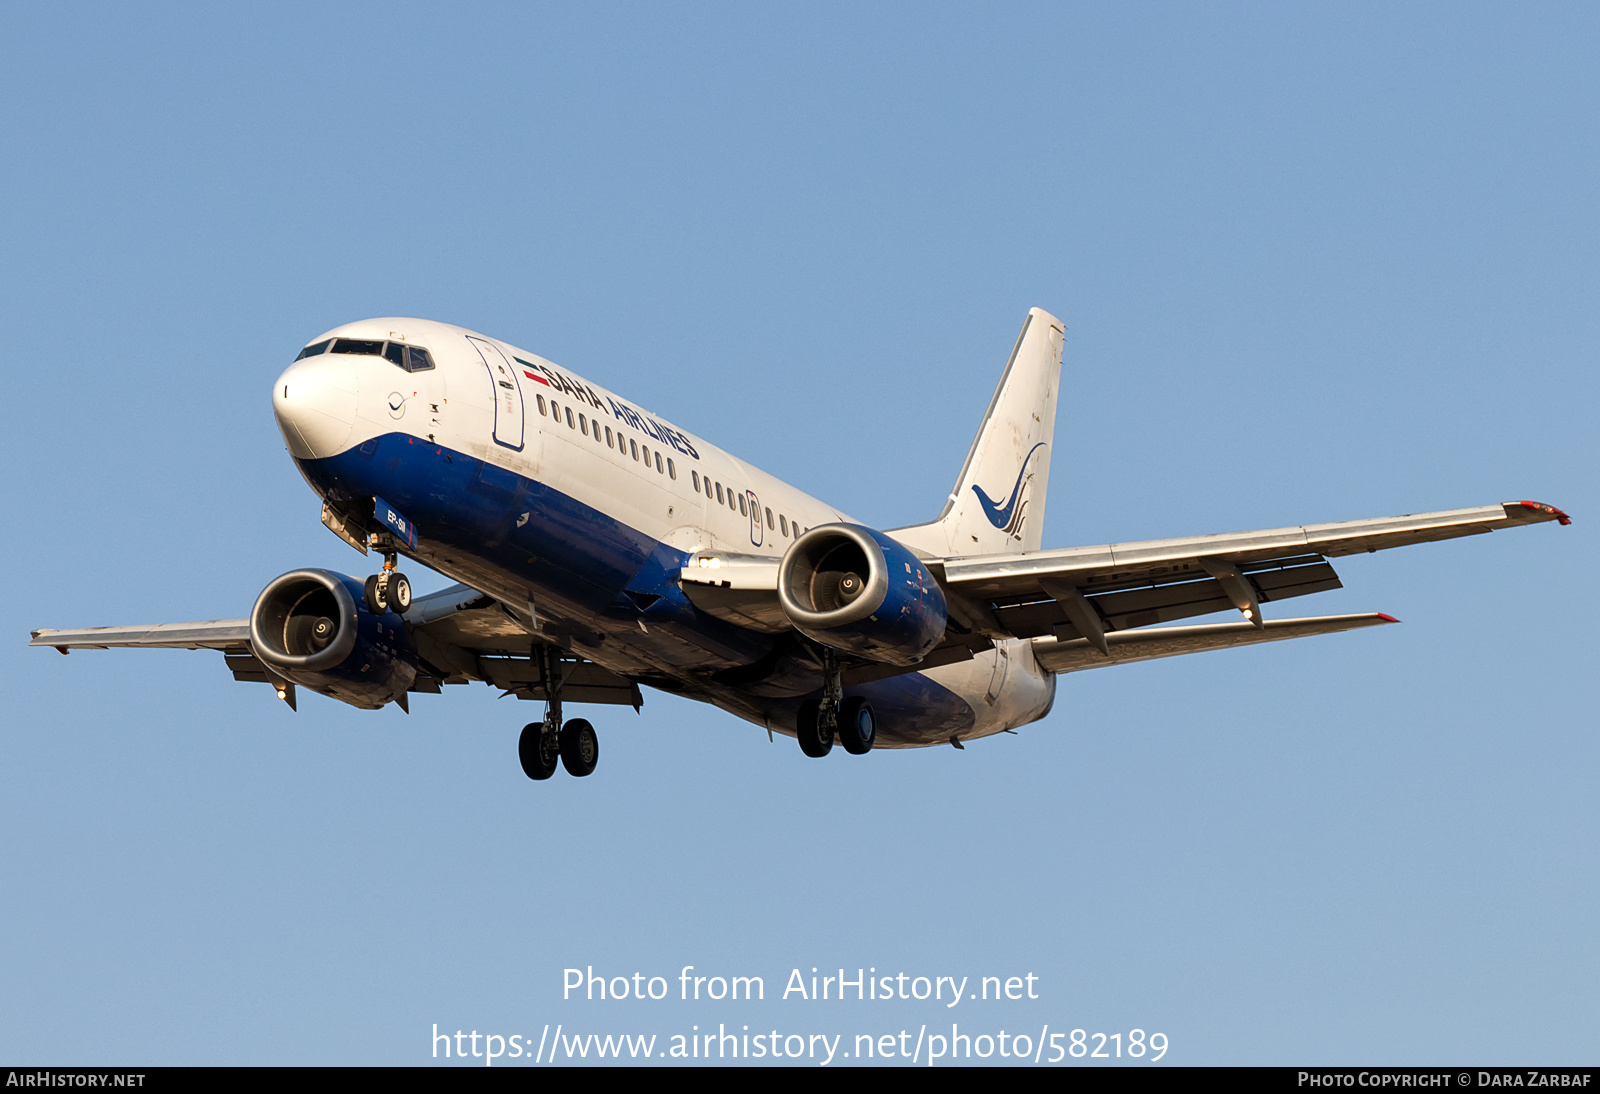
[646,450]
[583,425]
[672,472]
[694,477]
[396,353]
[708,488]
[419,359]
[783,524]
[555,411]
[719,492]
[569,419]
[358,346]
[314,349]
[658,463]
[769,519]
[743,512]
[541,403]
[608,437]
[633,446]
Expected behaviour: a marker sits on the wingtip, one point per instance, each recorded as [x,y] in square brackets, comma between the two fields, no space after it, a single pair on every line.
[1551,510]
[1387,618]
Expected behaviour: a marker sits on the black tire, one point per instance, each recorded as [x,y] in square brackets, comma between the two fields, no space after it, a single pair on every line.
[858,726]
[377,603]
[399,593]
[535,748]
[580,747]
[815,741]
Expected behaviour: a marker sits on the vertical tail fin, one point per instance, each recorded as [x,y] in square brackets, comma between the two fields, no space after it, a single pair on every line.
[997,506]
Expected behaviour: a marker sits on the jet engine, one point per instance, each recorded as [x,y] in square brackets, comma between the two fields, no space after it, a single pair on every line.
[312,627]
[860,591]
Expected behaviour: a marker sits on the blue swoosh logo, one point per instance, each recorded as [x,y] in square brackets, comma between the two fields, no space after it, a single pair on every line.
[1000,515]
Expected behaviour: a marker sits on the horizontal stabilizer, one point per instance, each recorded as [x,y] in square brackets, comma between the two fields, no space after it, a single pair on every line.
[1123,647]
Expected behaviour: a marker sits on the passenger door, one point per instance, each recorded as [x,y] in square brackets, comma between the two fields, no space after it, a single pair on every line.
[507,388]
[755,517]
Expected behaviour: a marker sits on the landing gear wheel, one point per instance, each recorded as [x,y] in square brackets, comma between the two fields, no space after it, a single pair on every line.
[537,748]
[858,726]
[399,593]
[376,595]
[816,740]
[580,747]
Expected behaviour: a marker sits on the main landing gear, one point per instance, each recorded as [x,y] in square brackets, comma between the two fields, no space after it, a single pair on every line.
[388,590]
[574,743]
[821,721]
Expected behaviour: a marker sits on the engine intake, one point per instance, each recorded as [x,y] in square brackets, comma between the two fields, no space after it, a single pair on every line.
[312,627]
[858,590]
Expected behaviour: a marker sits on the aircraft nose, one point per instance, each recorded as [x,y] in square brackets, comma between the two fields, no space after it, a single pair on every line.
[315,404]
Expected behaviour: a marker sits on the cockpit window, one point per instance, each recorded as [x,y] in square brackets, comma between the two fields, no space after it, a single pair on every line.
[357,345]
[410,358]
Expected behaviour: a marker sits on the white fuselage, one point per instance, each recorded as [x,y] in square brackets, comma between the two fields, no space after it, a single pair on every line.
[591,466]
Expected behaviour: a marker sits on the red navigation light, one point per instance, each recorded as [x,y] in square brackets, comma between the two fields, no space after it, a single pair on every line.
[1541,507]
[1387,618]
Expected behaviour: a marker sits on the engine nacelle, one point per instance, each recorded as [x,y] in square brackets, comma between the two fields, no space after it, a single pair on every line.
[312,627]
[860,591]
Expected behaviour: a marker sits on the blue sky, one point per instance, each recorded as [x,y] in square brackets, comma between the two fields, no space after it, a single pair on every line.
[1316,263]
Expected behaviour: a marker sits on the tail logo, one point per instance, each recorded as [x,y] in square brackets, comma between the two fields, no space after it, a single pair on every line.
[1008,517]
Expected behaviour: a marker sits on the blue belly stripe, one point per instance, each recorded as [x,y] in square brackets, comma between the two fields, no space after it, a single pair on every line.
[596,571]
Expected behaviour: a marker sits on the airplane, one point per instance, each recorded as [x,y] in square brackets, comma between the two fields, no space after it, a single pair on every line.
[599,548]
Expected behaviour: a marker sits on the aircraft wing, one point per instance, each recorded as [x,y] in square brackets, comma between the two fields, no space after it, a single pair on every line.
[460,634]
[212,634]
[1093,592]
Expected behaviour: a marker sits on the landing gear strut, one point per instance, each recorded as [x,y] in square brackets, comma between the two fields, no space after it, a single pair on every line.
[575,743]
[821,721]
[388,590]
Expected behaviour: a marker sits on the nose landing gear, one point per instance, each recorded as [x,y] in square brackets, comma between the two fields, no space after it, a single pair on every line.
[388,590]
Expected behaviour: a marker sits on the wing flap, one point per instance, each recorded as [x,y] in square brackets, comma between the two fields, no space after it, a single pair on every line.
[581,682]
[1161,601]
[1076,654]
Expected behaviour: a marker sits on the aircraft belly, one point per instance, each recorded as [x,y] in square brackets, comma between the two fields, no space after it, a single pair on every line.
[913,710]
[1005,687]
[519,539]
[612,588]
